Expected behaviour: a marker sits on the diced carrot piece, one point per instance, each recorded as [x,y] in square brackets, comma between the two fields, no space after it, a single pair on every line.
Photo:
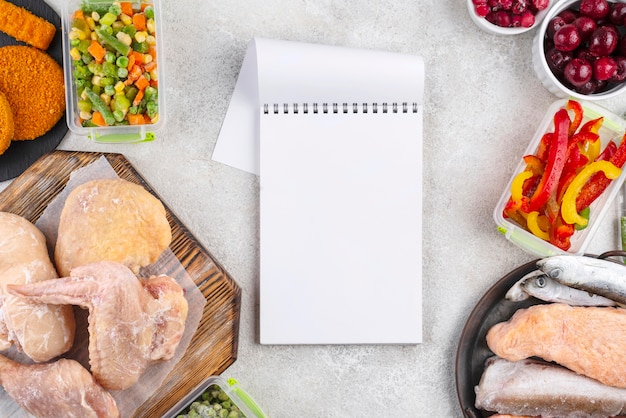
[154,83]
[78,14]
[139,21]
[153,51]
[144,5]
[127,8]
[131,61]
[138,98]
[136,119]
[138,57]
[142,82]
[97,51]
[98,119]
[133,74]
[149,66]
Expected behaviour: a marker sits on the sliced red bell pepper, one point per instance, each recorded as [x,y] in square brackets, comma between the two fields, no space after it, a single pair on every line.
[599,182]
[593,125]
[608,151]
[560,234]
[577,109]
[544,146]
[555,163]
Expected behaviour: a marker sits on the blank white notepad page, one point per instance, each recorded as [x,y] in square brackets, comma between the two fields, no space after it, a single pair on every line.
[340,219]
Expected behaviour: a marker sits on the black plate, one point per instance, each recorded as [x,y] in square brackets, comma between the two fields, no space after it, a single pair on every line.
[21,154]
[491,309]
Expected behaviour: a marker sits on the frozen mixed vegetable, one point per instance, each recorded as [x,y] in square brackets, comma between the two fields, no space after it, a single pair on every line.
[113,52]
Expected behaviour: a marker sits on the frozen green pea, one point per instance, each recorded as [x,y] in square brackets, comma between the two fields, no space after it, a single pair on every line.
[121,61]
[122,72]
[109,57]
[109,90]
[149,12]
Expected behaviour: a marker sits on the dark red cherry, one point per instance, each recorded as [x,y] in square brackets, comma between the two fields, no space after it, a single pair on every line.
[620,73]
[604,40]
[586,26]
[578,72]
[617,13]
[604,68]
[595,9]
[567,38]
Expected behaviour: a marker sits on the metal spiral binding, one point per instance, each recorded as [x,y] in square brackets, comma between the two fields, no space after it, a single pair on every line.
[344,107]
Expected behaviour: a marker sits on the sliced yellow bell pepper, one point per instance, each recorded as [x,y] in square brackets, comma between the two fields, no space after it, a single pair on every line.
[568,206]
[517,188]
[533,221]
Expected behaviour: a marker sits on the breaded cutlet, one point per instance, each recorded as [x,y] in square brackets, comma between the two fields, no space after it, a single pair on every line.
[7,126]
[25,26]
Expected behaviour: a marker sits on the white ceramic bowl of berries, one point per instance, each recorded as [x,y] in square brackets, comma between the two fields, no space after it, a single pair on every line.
[580,49]
[508,17]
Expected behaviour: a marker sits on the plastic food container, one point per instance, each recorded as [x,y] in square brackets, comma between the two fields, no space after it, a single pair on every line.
[489,27]
[120,131]
[545,74]
[230,389]
[613,128]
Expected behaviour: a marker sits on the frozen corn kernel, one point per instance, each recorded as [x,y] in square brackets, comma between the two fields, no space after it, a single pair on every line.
[119,86]
[147,58]
[151,26]
[124,38]
[126,20]
[95,16]
[75,54]
[151,40]
[85,115]
[141,36]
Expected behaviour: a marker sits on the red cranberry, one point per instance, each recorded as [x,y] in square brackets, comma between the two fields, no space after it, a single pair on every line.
[519,6]
[503,19]
[596,9]
[620,73]
[540,5]
[567,38]
[604,68]
[586,26]
[482,10]
[617,13]
[604,40]
[578,72]
[528,19]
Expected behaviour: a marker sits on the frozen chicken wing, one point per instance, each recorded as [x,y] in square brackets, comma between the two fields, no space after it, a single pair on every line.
[132,322]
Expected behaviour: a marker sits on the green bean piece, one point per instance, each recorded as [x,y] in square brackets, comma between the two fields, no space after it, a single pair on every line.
[83,46]
[98,104]
[118,115]
[131,92]
[113,42]
[108,19]
[82,72]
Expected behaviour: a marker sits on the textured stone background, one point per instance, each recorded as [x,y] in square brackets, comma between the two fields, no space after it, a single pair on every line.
[483,103]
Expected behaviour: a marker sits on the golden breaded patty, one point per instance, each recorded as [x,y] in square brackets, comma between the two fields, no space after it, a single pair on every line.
[25,26]
[33,83]
[7,127]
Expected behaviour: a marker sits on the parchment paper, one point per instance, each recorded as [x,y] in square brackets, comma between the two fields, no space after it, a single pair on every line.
[129,399]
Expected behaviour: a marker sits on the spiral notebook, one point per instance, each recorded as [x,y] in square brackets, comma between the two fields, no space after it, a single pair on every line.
[335,135]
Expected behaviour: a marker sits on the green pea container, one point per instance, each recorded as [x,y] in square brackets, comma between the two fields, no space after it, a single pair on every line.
[230,387]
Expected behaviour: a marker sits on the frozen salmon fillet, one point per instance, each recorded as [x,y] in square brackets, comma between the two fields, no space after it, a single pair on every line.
[587,340]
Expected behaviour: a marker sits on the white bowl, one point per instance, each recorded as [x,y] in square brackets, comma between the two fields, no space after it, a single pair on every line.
[489,27]
[545,74]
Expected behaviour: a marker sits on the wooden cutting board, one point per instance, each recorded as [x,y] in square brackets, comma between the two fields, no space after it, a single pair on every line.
[214,345]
